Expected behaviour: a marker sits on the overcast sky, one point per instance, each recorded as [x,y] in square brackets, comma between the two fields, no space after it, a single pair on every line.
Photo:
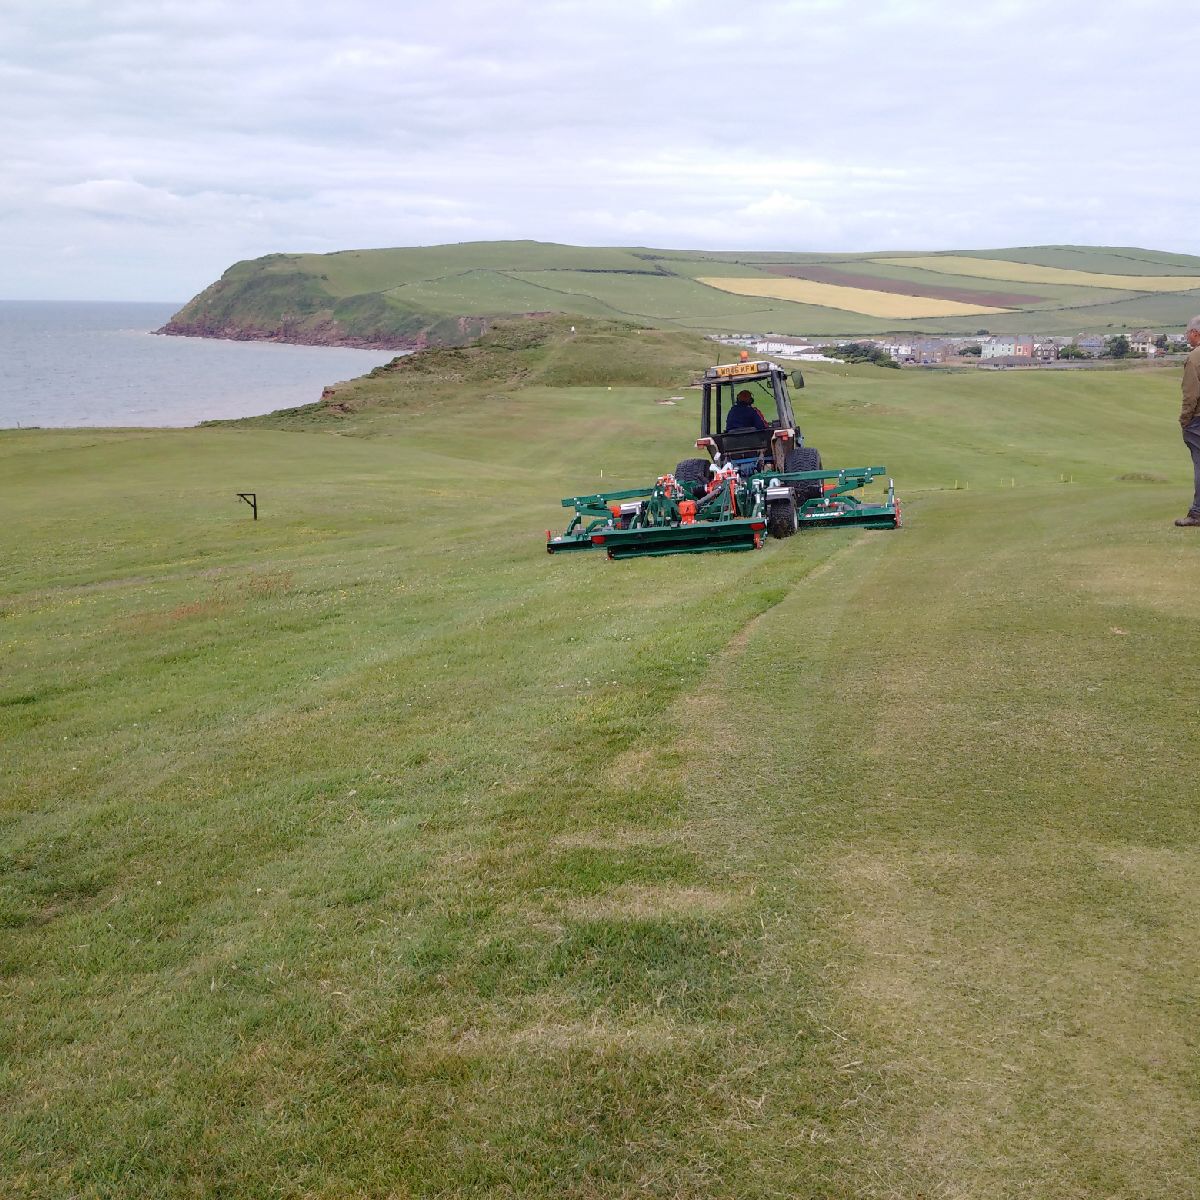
[147,144]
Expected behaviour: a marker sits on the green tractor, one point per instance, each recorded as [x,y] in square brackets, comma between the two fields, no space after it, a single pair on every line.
[734,399]
[759,479]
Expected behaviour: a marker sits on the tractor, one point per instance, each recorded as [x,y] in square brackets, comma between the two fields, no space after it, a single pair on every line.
[759,479]
[752,442]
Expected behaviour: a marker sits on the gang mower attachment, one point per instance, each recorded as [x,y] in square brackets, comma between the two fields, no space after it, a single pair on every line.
[761,480]
[732,512]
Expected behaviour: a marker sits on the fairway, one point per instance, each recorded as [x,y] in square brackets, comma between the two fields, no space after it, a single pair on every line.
[852,299]
[368,850]
[1018,272]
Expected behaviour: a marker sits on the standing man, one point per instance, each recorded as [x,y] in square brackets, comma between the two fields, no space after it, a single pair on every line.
[1189,415]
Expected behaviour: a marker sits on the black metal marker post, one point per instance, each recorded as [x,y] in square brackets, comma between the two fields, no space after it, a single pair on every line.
[251,498]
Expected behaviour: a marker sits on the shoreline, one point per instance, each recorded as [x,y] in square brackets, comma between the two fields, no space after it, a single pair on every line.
[235,333]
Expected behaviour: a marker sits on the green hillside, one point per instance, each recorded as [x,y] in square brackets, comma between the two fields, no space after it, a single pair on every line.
[446,295]
[367,850]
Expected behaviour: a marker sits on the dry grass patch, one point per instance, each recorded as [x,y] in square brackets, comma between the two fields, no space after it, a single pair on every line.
[632,767]
[1169,873]
[190,610]
[850,299]
[648,902]
[1148,577]
[1016,272]
[228,593]
[619,837]
[600,1035]
[266,585]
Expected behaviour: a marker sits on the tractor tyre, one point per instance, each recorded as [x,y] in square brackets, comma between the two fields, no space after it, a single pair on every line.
[781,518]
[693,471]
[804,458]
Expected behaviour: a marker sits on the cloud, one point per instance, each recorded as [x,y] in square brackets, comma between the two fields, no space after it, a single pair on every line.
[166,139]
[120,199]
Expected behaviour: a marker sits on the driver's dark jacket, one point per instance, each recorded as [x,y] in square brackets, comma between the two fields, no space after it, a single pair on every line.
[745,416]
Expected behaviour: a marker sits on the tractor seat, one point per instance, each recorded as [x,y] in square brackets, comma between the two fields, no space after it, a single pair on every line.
[742,441]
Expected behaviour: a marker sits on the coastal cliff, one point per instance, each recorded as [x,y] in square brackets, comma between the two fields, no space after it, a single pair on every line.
[326,330]
[276,299]
[407,298]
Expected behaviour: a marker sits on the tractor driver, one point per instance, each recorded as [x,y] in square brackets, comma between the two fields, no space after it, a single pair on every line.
[743,415]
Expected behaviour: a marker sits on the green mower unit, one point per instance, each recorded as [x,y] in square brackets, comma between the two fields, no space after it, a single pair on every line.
[759,480]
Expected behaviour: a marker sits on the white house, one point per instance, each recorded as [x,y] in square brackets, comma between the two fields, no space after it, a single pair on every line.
[1008,346]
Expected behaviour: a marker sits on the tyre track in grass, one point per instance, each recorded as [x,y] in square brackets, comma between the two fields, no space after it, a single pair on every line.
[779,1023]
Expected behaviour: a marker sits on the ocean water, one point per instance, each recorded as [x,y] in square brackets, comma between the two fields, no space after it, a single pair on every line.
[67,364]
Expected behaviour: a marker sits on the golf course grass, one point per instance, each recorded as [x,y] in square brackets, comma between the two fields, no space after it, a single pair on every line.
[367,850]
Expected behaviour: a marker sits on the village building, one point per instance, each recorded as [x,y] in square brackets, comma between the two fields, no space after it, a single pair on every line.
[1018,346]
[929,351]
[784,346]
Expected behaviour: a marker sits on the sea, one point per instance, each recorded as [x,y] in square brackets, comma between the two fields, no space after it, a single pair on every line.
[66,364]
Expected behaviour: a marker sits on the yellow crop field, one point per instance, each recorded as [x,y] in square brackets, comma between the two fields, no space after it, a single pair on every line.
[851,299]
[1015,272]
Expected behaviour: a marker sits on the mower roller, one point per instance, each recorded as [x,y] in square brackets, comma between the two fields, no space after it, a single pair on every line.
[762,480]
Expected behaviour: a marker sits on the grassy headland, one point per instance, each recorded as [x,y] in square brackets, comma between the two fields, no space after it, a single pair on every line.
[367,850]
[446,295]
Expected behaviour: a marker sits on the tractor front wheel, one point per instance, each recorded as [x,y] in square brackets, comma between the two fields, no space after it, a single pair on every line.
[781,518]
[804,458]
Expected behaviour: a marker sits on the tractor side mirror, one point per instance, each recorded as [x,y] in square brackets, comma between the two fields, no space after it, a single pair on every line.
[797,378]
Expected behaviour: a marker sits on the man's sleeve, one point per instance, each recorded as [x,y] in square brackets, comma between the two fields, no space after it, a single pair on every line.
[765,424]
[1191,390]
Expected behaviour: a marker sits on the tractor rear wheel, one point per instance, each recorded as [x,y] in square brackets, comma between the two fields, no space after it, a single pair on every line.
[693,471]
[781,518]
[804,458]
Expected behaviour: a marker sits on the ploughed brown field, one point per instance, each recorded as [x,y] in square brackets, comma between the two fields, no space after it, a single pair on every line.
[901,287]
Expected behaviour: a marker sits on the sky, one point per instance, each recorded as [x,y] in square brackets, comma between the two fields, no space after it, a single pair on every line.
[146,146]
